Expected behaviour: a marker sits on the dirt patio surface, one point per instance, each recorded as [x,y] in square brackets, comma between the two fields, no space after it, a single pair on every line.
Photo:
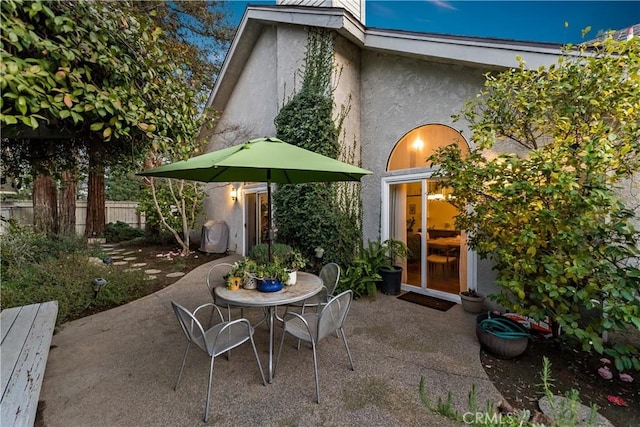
[119,367]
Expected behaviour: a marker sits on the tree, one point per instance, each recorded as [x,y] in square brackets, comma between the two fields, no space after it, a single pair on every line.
[561,238]
[174,205]
[91,73]
[196,32]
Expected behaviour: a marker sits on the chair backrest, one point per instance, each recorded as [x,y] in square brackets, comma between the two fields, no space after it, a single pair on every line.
[330,275]
[190,325]
[333,314]
[215,276]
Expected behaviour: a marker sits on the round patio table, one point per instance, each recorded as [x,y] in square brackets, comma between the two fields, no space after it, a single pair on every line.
[306,286]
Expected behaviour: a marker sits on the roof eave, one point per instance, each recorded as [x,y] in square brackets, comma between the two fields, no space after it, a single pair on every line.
[489,53]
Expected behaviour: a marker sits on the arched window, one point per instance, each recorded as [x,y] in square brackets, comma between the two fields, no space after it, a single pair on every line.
[417,145]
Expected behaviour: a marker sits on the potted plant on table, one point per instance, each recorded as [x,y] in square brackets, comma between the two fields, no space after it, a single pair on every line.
[271,277]
[294,261]
[472,301]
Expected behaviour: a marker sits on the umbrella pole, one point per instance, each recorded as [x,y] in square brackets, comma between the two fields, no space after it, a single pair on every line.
[269,230]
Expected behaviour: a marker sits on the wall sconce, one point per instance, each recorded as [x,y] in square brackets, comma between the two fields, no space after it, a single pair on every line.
[234,194]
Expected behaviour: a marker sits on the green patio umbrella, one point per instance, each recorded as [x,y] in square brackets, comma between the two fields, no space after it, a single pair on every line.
[261,160]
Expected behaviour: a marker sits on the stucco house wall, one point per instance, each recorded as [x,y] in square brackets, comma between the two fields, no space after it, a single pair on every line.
[266,82]
[391,81]
[398,95]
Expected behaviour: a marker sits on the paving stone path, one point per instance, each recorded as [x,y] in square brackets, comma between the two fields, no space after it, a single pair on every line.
[128,257]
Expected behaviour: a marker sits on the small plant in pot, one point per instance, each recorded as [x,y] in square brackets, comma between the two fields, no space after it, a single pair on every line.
[472,301]
[271,277]
[246,269]
[293,262]
[235,276]
[383,255]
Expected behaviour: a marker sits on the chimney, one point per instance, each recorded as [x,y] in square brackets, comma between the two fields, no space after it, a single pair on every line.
[629,33]
[355,7]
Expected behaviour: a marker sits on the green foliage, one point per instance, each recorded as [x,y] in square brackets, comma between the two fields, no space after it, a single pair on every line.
[564,415]
[360,277]
[175,198]
[124,186]
[272,270]
[260,252]
[319,214]
[22,246]
[550,219]
[38,269]
[121,231]
[197,31]
[89,69]
[294,260]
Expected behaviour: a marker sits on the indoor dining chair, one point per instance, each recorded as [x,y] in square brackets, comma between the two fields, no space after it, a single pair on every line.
[313,327]
[218,339]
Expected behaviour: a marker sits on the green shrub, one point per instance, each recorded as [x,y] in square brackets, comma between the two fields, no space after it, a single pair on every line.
[21,246]
[120,231]
[68,281]
[36,268]
[260,252]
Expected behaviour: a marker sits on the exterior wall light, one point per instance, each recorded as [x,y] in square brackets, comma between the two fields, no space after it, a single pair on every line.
[234,194]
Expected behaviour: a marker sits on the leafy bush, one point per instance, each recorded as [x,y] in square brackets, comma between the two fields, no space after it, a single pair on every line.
[36,268]
[121,231]
[22,246]
[260,252]
[68,281]
[551,220]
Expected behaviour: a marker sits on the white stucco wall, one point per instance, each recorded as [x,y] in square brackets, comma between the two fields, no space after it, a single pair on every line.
[347,93]
[265,83]
[248,114]
[291,46]
[398,95]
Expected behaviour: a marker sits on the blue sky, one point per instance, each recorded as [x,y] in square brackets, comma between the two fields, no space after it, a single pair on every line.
[541,21]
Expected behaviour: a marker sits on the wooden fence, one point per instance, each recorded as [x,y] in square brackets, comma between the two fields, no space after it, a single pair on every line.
[22,212]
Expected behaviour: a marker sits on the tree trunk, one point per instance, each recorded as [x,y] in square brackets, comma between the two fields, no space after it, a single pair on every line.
[68,204]
[45,204]
[95,198]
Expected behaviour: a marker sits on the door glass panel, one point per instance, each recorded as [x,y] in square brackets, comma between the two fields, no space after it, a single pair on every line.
[421,216]
[256,219]
[443,240]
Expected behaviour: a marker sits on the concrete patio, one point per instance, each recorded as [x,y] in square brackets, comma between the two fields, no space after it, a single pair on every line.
[119,367]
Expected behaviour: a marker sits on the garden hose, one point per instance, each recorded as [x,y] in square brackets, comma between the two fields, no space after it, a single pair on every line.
[503,328]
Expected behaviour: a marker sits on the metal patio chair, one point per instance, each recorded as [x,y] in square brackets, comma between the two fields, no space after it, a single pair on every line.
[330,275]
[215,278]
[216,340]
[314,327]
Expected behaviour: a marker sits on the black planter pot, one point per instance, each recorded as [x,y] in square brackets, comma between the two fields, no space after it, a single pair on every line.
[391,280]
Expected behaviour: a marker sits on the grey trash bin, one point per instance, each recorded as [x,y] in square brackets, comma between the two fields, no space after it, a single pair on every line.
[214,237]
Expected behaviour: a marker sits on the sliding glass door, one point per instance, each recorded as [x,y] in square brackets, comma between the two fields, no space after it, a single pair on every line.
[418,212]
[256,214]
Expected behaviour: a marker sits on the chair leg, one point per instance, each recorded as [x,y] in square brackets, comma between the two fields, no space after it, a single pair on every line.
[315,369]
[206,408]
[184,358]
[344,338]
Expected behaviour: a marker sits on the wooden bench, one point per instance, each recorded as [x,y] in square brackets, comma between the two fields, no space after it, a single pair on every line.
[26,337]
